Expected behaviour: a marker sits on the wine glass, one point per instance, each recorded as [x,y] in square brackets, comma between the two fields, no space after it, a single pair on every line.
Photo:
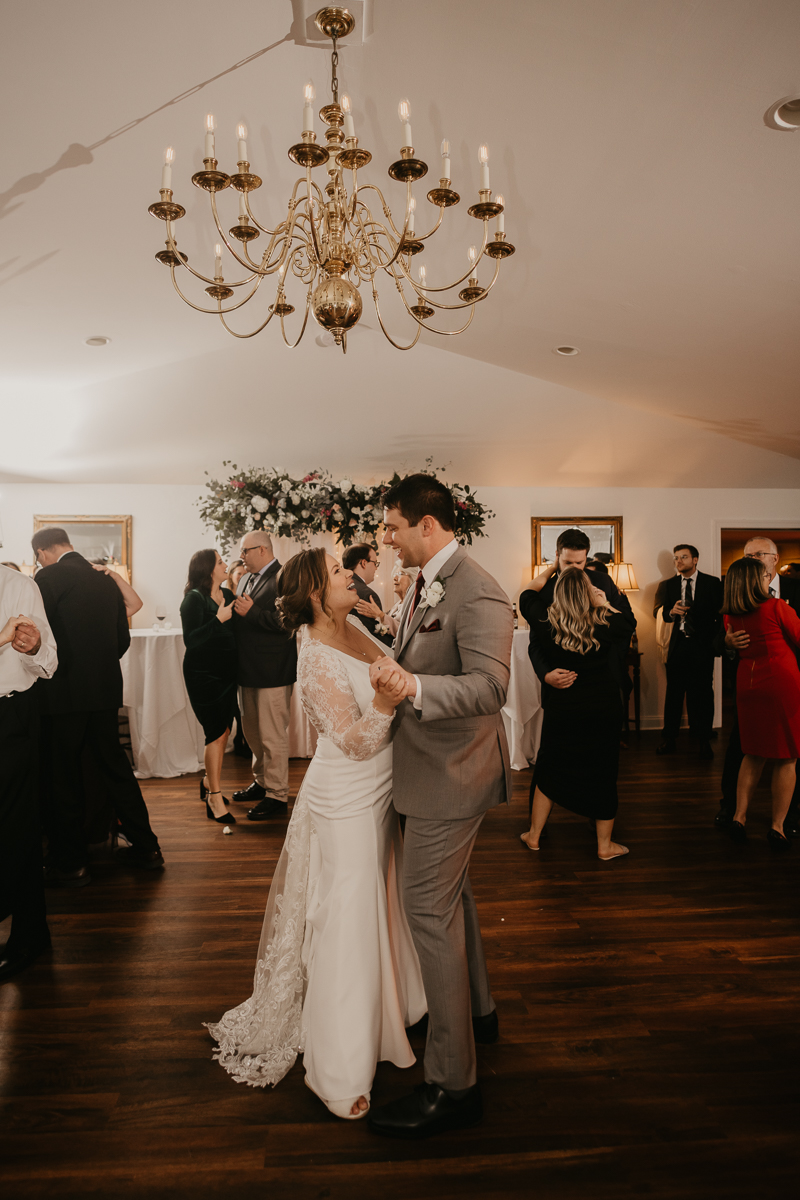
[161,615]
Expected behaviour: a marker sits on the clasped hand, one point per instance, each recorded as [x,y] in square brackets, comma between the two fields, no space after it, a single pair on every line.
[560,678]
[22,633]
[391,683]
[242,605]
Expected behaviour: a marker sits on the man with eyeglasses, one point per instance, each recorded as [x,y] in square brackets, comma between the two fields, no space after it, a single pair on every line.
[267,672]
[363,561]
[782,588]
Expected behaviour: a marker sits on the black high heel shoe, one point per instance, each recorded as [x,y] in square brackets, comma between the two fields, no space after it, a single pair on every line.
[205,792]
[225,819]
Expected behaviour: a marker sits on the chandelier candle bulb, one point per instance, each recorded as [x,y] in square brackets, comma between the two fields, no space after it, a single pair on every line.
[483,158]
[500,227]
[209,147]
[445,159]
[404,113]
[242,206]
[349,127]
[218,261]
[423,280]
[412,206]
[242,135]
[166,170]
[309,93]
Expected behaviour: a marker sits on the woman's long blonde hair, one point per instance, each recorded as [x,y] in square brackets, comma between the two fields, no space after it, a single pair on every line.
[572,614]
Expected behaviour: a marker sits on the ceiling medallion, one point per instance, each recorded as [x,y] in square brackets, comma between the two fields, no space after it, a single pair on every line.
[330,243]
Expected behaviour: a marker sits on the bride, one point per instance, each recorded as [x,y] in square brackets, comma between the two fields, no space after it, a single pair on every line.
[337,977]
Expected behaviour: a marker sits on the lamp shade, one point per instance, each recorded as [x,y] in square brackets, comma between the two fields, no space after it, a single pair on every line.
[624,577]
[537,570]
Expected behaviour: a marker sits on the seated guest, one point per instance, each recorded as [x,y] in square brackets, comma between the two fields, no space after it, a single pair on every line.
[578,758]
[80,712]
[402,578]
[767,691]
[27,653]
[786,589]
[209,668]
[362,560]
[691,604]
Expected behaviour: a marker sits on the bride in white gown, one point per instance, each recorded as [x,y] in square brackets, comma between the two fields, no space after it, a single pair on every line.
[337,977]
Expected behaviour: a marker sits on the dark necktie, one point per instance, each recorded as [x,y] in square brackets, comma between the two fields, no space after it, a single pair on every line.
[251,583]
[687,600]
[772,592]
[420,584]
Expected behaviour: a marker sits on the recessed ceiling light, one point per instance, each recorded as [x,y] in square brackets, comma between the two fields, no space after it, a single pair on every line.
[784,114]
[567,351]
[97,341]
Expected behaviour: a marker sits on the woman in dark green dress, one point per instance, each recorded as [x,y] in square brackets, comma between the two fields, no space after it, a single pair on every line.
[209,668]
[578,759]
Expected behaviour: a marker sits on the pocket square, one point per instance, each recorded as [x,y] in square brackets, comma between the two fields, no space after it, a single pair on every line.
[432,628]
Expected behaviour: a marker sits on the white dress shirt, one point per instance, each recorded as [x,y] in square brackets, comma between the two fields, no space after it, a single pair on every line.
[248,582]
[18,672]
[429,572]
[775,587]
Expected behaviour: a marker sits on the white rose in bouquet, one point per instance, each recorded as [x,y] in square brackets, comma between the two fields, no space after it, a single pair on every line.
[286,485]
[260,503]
[345,486]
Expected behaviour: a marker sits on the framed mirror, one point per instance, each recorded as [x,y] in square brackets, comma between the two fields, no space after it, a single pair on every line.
[97,538]
[604,534]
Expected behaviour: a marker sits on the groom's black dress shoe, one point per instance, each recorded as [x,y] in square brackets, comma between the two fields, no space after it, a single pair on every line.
[14,959]
[427,1111]
[486,1029]
[250,795]
[267,808]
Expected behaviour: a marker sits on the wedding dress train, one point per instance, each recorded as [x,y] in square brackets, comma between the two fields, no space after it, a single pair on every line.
[337,976]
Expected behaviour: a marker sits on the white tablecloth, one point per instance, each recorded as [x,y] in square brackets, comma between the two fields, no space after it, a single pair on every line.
[166,737]
[522,715]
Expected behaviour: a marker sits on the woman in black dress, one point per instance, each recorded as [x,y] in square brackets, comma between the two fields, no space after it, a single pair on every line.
[579,754]
[209,668]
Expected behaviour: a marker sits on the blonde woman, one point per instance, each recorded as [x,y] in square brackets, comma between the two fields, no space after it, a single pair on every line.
[579,755]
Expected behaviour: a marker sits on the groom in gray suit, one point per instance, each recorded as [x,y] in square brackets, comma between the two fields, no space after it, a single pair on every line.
[451,764]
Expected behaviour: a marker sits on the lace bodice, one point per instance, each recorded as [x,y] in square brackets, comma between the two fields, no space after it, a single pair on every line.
[329,700]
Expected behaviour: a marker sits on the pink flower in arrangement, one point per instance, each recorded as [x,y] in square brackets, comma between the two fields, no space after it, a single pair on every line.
[461,504]
[308,478]
[237,483]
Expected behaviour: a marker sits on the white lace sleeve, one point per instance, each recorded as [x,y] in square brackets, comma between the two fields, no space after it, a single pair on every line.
[331,707]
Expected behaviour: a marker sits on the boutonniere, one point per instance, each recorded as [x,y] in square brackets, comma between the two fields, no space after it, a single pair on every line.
[432,595]
[380,629]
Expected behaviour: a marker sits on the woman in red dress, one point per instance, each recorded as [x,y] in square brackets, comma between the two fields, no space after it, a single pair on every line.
[767,692]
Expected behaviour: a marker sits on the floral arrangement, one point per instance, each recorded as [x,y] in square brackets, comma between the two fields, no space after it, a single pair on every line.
[298,508]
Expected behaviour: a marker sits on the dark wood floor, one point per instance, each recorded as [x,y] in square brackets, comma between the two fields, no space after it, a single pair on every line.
[648,1009]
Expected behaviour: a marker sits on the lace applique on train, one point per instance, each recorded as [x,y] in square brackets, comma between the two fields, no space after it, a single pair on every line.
[258,1042]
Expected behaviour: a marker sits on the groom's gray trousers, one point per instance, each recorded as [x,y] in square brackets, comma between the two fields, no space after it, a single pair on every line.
[443,919]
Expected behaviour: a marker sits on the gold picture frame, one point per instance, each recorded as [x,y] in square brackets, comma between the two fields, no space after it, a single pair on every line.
[96,537]
[545,530]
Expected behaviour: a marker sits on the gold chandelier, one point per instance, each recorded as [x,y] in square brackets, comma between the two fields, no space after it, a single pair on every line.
[330,241]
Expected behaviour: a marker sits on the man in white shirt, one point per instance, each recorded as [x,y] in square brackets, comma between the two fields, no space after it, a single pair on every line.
[27,653]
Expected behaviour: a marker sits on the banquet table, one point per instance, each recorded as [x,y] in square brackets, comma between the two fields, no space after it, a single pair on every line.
[166,737]
[167,740]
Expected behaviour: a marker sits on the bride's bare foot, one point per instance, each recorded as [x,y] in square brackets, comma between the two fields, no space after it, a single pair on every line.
[360,1106]
[612,850]
[527,838]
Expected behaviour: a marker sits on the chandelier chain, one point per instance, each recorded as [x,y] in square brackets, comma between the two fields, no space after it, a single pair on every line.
[334,79]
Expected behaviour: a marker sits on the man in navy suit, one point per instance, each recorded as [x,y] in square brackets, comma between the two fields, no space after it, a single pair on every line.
[691,604]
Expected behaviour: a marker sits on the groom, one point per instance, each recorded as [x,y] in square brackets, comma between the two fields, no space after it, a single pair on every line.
[451,764]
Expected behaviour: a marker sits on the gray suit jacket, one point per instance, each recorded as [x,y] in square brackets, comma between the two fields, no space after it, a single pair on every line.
[451,760]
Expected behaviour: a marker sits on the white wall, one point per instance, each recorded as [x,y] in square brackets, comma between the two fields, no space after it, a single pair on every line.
[167,530]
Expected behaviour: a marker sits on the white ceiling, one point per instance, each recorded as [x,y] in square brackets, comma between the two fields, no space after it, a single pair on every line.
[653,212]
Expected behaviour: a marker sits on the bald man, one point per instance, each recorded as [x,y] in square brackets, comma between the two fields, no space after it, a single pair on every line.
[788,590]
[267,671]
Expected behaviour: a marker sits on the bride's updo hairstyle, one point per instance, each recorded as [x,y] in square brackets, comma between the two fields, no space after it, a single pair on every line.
[307,572]
[573,616]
